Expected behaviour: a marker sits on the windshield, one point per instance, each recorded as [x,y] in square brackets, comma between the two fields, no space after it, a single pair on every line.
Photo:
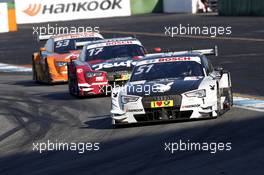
[64,46]
[118,51]
[167,70]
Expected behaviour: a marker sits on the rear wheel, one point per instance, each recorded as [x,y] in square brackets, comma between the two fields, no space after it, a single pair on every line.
[218,111]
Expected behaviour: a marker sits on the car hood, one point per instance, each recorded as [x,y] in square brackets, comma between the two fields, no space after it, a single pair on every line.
[163,87]
[65,56]
[113,65]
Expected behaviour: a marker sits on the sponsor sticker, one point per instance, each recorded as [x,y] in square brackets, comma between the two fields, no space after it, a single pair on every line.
[113,43]
[169,59]
[99,78]
[191,106]
[36,11]
[122,77]
[128,63]
[77,35]
[135,110]
[161,104]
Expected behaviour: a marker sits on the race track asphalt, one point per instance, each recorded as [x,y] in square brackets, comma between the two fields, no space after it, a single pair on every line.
[34,113]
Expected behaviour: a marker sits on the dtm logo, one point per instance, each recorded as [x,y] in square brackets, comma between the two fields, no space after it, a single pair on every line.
[33,10]
[85,6]
[128,63]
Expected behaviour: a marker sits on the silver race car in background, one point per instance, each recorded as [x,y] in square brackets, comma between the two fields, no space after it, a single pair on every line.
[171,86]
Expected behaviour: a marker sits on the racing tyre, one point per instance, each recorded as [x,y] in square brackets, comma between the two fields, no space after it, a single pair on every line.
[70,84]
[229,98]
[218,111]
[34,73]
[77,91]
[47,74]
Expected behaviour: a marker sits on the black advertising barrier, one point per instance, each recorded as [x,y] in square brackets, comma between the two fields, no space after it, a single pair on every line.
[241,7]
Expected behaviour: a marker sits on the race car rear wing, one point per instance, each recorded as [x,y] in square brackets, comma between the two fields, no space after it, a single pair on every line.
[78,44]
[213,51]
[43,37]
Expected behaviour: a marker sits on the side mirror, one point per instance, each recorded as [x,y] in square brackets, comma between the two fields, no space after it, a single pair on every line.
[73,57]
[219,69]
[42,49]
[157,50]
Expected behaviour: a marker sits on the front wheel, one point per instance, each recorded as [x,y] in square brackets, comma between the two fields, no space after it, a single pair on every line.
[34,73]
[47,73]
[70,84]
[73,85]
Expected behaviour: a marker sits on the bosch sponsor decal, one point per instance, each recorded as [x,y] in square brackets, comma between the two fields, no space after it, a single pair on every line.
[173,59]
[128,63]
[113,43]
[170,59]
[35,11]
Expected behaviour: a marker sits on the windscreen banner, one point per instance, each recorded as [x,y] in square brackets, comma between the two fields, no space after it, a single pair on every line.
[37,11]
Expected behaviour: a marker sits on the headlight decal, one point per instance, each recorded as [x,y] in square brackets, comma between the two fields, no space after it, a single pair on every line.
[198,93]
[127,99]
[61,64]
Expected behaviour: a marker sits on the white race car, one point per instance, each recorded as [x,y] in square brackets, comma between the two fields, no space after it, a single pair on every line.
[171,86]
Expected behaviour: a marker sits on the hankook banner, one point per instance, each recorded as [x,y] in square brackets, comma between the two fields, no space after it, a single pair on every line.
[36,11]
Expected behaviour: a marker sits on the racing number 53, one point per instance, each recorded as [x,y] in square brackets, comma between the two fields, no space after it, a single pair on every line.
[143,68]
[62,43]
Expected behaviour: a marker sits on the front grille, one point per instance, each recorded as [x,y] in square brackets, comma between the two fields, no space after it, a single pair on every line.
[148,99]
[114,76]
[166,113]
[162,114]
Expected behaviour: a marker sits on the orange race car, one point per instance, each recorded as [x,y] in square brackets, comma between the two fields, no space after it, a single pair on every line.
[49,64]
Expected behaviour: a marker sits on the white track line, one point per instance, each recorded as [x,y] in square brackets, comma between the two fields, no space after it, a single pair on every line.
[13,68]
[249,103]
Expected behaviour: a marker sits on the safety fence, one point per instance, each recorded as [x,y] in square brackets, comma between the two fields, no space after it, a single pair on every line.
[241,7]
